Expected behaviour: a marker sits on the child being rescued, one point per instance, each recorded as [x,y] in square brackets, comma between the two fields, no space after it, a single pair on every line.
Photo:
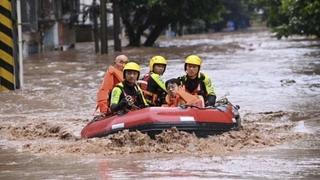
[177,96]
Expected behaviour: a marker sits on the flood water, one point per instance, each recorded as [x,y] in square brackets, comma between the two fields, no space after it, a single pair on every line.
[275,82]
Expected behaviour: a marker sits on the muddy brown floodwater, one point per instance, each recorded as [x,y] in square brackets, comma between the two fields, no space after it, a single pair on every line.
[275,82]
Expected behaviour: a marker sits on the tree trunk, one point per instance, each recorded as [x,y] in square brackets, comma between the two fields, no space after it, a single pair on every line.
[95,27]
[155,33]
[104,32]
[133,39]
[180,29]
[116,25]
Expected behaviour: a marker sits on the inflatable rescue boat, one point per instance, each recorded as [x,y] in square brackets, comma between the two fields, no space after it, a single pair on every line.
[153,120]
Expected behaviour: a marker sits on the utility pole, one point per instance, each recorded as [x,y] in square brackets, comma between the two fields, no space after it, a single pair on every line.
[9,65]
[20,43]
[104,34]
[116,26]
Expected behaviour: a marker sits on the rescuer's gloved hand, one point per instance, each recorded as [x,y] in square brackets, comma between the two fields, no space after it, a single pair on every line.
[123,103]
[211,100]
[130,101]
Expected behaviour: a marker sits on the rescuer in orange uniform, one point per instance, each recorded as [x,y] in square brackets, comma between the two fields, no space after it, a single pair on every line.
[112,77]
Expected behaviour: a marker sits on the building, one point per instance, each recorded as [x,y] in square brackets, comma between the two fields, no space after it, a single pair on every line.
[48,24]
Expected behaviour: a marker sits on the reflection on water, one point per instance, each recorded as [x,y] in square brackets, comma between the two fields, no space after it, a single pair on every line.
[276,83]
[284,162]
[15,165]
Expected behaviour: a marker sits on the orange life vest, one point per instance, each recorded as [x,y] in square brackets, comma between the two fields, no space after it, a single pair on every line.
[183,97]
[174,101]
[112,77]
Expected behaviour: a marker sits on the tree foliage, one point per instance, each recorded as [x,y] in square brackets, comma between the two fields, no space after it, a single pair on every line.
[151,17]
[292,17]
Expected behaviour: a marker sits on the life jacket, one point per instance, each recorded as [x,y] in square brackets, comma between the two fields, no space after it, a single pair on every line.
[117,73]
[137,96]
[183,97]
[143,82]
[200,89]
[112,77]
[151,97]
[197,90]
[174,101]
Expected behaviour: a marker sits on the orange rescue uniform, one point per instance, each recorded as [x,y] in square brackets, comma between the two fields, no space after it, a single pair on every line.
[112,77]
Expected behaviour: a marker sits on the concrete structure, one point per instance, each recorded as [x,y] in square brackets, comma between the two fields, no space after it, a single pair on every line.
[48,24]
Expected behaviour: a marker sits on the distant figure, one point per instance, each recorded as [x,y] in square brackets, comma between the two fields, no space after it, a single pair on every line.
[231,26]
[113,76]
[127,95]
[152,84]
[177,95]
[197,83]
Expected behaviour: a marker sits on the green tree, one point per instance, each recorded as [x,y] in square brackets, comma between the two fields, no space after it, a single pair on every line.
[291,17]
[151,17]
[303,18]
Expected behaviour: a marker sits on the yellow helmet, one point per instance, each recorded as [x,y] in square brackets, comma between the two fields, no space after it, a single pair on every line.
[193,59]
[131,66]
[157,60]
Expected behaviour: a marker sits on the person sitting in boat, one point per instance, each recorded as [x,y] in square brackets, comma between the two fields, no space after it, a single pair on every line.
[196,82]
[127,95]
[152,84]
[177,95]
[113,76]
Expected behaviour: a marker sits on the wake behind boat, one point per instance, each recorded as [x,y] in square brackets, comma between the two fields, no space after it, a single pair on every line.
[153,120]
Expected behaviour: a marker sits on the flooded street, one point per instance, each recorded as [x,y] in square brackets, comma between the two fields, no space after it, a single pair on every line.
[275,82]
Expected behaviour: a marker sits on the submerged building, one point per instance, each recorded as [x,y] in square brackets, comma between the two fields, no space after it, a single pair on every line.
[48,24]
